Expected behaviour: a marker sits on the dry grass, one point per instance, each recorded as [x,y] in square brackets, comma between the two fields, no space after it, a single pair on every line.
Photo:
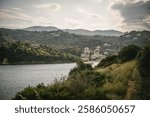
[124,80]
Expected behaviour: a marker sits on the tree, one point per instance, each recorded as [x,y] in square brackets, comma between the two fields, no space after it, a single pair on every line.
[144,68]
[128,53]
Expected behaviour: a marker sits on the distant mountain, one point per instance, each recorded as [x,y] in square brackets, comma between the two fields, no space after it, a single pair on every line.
[96,32]
[76,31]
[41,28]
[74,44]
[140,38]
[55,39]
[108,32]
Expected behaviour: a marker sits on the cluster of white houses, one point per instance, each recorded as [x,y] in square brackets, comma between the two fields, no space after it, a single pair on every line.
[95,55]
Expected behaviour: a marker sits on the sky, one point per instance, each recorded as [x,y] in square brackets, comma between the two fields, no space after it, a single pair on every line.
[122,15]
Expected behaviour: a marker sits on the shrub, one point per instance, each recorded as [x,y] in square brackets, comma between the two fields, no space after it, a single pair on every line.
[83,66]
[144,61]
[107,61]
[28,93]
[82,85]
[128,53]
[144,68]
[80,67]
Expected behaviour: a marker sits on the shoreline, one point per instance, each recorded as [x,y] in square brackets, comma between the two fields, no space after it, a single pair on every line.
[37,63]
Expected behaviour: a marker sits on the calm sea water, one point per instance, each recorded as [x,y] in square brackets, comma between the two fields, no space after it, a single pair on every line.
[14,78]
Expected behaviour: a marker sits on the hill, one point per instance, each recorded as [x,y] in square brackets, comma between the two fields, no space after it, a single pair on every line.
[76,31]
[17,52]
[95,32]
[140,38]
[124,80]
[117,81]
[41,28]
[73,43]
[56,39]
[120,80]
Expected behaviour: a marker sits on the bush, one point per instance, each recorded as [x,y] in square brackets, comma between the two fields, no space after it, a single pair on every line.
[80,67]
[28,93]
[144,61]
[82,85]
[144,68]
[107,61]
[128,53]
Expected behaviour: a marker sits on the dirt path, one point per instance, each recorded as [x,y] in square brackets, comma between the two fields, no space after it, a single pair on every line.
[130,90]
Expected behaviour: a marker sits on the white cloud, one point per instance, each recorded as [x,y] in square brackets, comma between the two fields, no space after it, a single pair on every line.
[124,2]
[88,13]
[17,9]
[13,14]
[81,10]
[19,15]
[95,15]
[131,13]
[72,23]
[99,1]
[50,6]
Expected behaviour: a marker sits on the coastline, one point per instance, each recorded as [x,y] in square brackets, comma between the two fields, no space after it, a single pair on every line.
[37,63]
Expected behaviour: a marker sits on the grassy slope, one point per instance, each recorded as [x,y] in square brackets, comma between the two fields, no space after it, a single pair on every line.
[124,83]
[125,80]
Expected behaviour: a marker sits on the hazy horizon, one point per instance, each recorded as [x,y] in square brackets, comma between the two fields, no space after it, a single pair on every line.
[120,15]
[75,29]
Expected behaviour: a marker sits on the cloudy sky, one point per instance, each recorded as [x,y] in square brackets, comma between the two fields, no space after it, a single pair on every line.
[123,15]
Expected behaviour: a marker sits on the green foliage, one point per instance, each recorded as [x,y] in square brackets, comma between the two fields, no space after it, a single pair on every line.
[55,39]
[107,61]
[52,91]
[113,82]
[128,53]
[25,52]
[73,50]
[140,38]
[28,93]
[144,67]
[144,61]
[80,67]
[84,85]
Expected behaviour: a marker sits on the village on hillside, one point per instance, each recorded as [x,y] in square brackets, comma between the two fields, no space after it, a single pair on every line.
[97,54]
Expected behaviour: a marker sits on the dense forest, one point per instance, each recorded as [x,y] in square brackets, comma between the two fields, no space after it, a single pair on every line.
[17,52]
[123,76]
[57,39]
[72,43]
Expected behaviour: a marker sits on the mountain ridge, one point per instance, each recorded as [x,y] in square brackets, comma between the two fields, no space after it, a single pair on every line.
[76,31]
[41,28]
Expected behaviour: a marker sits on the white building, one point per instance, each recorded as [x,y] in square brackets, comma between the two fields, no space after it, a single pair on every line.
[107,45]
[86,54]
[98,54]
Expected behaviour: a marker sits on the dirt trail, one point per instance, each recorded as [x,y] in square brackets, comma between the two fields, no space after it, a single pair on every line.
[130,90]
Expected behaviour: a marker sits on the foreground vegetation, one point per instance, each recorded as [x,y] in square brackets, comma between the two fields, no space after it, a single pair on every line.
[125,76]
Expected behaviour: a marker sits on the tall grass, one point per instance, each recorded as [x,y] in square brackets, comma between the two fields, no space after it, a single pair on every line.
[121,75]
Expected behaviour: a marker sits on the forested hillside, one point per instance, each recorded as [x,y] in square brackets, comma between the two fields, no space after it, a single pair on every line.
[17,52]
[140,38]
[75,31]
[69,43]
[56,39]
[64,40]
